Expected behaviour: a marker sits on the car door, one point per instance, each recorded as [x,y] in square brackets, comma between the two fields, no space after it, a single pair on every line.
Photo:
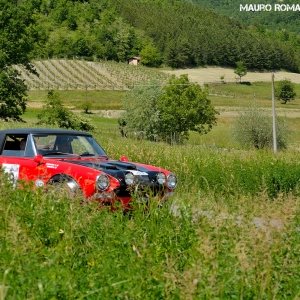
[17,159]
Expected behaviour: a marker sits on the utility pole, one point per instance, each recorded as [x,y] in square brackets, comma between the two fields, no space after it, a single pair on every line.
[274,116]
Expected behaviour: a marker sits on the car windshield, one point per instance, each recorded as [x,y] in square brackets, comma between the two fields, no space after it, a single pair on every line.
[63,144]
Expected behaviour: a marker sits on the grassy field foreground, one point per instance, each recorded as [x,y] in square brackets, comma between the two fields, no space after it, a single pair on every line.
[225,248]
[232,230]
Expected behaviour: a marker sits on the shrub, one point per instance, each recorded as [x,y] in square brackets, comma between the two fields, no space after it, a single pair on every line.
[87,106]
[253,128]
[285,91]
[141,118]
[54,113]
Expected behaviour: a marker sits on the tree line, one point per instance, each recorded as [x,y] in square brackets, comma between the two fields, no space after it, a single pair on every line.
[169,32]
[188,35]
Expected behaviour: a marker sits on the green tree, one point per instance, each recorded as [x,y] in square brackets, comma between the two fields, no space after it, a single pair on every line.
[54,113]
[184,106]
[16,42]
[123,38]
[150,56]
[169,113]
[240,70]
[12,95]
[285,91]
[16,33]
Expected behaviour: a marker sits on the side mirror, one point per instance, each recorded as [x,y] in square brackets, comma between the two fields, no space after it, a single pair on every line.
[124,158]
[39,159]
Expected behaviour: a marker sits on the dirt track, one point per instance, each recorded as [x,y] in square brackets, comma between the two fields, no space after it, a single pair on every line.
[235,111]
[213,74]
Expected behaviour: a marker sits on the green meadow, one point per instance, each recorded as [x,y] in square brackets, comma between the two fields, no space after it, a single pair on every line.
[241,95]
[230,231]
[224,95]
[77,98]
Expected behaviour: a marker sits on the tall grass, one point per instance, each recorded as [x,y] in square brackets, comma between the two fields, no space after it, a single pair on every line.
[197,246]
[222,171]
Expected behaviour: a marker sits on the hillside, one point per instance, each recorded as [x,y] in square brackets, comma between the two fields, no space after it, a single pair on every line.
[172,33]
[189,35]
[274,20]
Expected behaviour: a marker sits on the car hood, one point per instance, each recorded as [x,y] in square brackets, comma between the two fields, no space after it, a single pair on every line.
[105,165]
[118,169]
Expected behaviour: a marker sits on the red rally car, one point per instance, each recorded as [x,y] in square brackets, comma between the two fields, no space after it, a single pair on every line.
[75,159]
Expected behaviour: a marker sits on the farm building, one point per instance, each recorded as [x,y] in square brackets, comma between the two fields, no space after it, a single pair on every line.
[135,60]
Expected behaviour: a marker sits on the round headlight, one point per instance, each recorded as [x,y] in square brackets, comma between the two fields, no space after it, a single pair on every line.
[161,178]
[171,181]
[72,184]
[102,182]
[129,179]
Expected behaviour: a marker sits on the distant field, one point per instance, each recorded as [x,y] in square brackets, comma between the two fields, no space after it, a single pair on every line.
[228,98]
[242,95]
[99,100]
[59,74]
[104,83]
[213,74]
